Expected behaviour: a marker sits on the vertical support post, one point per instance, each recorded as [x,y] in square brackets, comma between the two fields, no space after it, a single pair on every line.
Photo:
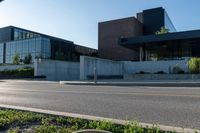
[35,67]
[4,53]
[146,55]
[95,71]
[141,53]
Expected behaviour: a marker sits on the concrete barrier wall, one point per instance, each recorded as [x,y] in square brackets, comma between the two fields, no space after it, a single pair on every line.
[60,70]
[111,68]
[14,67]
[103,67]
[57,70]
[153,66]
[161,76]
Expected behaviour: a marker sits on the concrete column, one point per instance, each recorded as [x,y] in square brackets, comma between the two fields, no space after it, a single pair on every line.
[146,55]
[95,70]
[141,53]
[35,67]
[82,68]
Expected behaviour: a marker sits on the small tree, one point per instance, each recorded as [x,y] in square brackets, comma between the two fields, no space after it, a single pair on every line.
[16,59]
[59,56]
[162,30]
[194,65]
[27,59]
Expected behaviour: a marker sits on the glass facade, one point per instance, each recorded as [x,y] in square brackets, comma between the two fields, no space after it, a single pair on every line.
[24,42]
[22,34]
[171,50]
[168,23]
[1,52]
[37,47]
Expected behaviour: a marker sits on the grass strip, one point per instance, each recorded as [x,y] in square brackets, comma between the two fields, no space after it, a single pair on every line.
[14,121]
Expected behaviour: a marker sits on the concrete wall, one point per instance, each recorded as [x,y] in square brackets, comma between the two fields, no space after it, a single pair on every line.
[103,67]
[13,67]
[161,76]
[57,70]
[115,68]
[153,66]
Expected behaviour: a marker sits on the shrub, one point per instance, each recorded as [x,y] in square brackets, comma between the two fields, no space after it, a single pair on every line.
[177,69]
[142,72]
[21,72]
[27,59]
[160,72]
[26,71]
[194,65]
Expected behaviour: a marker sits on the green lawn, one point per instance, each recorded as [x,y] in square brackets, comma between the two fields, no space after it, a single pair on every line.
[13,121]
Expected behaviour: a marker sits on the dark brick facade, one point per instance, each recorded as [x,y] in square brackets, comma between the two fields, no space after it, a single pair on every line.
[109,34]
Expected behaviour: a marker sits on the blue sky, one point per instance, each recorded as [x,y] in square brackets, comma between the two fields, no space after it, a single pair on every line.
[77,20]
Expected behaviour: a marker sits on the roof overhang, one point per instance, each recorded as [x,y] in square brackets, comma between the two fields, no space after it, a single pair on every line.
[136,42]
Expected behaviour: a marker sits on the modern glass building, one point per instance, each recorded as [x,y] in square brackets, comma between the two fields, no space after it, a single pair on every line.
[38,48]
[154,19]
[135,38]
[169,46]
[147,22]
[14,40]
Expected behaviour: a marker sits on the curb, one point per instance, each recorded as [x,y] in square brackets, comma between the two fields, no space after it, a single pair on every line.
[89,117]
[153,84]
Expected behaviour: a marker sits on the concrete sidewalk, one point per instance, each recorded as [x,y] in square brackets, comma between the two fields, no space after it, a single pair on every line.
[158,83]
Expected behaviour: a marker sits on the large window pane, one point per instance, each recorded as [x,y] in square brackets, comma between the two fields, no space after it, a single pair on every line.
[32,45]
[38,45]
[25,47]
[1,52]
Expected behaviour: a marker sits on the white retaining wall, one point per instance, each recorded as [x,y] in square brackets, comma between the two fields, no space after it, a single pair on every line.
[60,70]
[153,66]
[14,67]
[103,67]
[57,70]
[112,68]
[161,76]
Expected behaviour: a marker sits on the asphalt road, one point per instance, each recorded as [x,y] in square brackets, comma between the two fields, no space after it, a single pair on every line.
[174,106]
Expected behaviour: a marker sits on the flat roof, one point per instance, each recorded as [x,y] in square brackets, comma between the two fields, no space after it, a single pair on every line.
[147,39]
[41,34]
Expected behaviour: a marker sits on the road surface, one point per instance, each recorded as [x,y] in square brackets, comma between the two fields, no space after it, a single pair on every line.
[171,106]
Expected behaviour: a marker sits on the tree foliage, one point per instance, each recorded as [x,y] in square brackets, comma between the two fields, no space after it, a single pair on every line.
[27,59]
[16,59]
[162,30]
[60,56]
[194,65]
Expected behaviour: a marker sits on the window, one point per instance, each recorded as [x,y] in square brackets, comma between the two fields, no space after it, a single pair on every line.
[25,47]
[37,47]
[1,52]
[168,23]
[23,34]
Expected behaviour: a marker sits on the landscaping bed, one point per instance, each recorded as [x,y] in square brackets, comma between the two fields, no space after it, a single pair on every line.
[17,73]
[13,121]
